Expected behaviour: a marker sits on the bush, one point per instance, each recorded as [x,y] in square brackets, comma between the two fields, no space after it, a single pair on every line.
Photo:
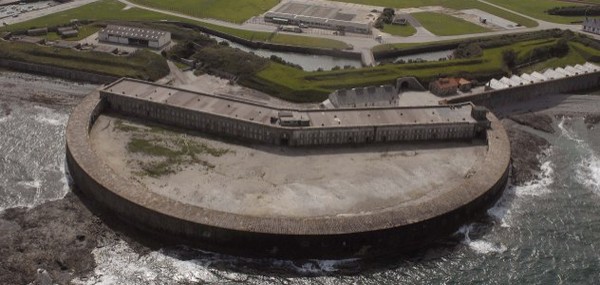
[591,10]
[468,50]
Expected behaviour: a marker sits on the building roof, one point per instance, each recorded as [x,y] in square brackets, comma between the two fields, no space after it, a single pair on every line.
[134,33]
[253,112]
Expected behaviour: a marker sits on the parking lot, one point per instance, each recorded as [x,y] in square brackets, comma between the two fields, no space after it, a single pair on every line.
[13,11]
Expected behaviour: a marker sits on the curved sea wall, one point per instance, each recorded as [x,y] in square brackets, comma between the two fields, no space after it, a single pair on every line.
[383,232]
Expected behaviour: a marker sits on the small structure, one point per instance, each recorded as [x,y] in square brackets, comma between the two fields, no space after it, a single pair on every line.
[37,32]
[399,20]
[134,36]
[591,25]
[464,85]
[68,32]
[444,86]
[360,97]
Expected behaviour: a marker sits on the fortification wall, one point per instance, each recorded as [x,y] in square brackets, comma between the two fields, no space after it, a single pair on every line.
[387,231]
[292,136]
[515,94]
[59,72]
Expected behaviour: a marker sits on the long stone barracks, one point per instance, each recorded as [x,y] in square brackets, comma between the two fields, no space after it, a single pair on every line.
[256,122]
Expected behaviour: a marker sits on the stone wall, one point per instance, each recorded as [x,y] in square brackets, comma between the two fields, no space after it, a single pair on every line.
[515,94]
[59,72]
[383,232]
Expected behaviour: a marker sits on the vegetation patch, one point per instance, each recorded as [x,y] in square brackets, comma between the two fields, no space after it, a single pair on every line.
[170,154]
[537,9]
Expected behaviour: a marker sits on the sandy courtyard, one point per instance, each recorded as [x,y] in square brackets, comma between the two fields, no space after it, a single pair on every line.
[269,181]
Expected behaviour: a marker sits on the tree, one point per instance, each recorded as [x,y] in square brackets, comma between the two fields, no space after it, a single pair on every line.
[509,57]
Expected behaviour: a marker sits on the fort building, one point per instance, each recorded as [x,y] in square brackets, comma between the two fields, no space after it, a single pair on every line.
[294,127]
[134,36]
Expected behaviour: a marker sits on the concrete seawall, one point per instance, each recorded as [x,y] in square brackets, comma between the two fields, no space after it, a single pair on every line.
[399,228]
[59,72]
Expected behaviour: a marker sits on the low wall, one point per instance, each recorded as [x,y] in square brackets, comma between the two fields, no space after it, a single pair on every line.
[387,231]
[60,72]
[515,94]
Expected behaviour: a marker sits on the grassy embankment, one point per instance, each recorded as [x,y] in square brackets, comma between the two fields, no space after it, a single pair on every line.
[445,25]
[106,10]
[141,64]
[227,10]
[453,4]
[537,8]
[296,85]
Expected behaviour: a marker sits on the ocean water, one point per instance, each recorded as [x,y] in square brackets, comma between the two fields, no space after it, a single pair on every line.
[545,232]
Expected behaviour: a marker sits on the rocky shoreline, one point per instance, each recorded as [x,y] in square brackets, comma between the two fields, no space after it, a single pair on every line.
[53,243]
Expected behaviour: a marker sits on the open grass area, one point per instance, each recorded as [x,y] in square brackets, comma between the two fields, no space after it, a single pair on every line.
[453,4]
[537,8]
[296,85]
[228,10]
[397,30]
[105,10]
[446,25]
[141,64]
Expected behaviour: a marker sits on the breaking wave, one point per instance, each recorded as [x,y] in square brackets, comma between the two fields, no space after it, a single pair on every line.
[587,171]
[118,263]
[479,246]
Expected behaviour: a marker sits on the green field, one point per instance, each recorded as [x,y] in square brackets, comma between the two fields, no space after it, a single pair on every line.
[446,25]
[453,4]
[142,64]
[536,8]
[297,85]
[227,10]
[397,30]
[104,10]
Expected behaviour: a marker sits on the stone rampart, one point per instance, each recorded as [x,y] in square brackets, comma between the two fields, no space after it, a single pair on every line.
[520,93]
[59,72]
[385,231]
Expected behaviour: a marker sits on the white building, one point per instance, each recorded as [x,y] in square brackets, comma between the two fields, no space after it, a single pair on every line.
[591,25]
[134,36]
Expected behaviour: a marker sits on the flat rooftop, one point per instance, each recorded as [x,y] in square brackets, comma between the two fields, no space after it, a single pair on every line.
[319,118]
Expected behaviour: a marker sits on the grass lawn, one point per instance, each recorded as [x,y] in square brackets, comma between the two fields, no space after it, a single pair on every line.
[536,8]
[113,10]
[228,10]
[398,30]
[297,85]
[453,4]
[446,25]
